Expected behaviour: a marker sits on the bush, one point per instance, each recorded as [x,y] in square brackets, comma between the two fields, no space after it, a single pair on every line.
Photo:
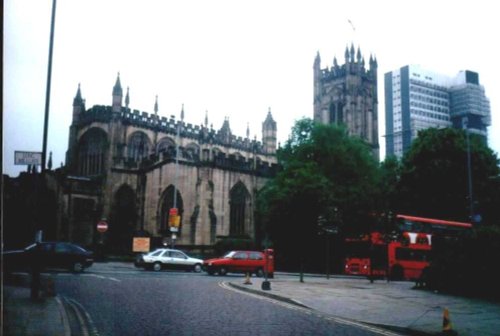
[467,265]
[226,244]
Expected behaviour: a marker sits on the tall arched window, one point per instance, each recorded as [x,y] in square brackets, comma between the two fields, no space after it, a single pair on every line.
[92,152]
[166,145]
[138,146]
[239,209]
[192,152]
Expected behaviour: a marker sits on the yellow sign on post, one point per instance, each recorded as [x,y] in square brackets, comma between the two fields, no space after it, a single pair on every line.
[174,221]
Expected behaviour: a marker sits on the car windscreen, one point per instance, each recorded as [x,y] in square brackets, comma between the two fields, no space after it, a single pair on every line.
[77,248]
[230,254]
[155,253]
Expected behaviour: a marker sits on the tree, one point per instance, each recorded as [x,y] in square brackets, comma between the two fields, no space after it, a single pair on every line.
[434,176]
[324,172]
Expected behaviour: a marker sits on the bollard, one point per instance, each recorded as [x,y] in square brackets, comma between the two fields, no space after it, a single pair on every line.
[447,327]
[247,280]
[50,289]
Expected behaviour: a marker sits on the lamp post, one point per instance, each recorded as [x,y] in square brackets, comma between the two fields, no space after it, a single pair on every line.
[47,95]
[465,125]
[174,228]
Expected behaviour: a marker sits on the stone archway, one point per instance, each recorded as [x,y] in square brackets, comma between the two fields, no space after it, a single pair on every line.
[123,219]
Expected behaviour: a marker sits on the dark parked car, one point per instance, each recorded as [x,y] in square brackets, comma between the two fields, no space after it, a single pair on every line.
[48,255]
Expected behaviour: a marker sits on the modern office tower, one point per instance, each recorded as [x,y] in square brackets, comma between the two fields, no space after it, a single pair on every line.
[417,99]
[469,104]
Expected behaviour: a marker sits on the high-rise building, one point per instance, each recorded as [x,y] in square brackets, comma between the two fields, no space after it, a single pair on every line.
[417,99]
[347,94]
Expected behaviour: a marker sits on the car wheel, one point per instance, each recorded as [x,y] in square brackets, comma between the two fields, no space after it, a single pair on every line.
[259,273]
[222,271]
[197,268]
[157,266]
[77,267]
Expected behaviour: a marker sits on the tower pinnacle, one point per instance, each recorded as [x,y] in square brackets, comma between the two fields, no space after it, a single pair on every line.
[156,105]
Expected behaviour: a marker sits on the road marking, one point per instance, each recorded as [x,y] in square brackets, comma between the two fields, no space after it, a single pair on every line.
[101,277]
[309,311]
[91,330]
[64,317]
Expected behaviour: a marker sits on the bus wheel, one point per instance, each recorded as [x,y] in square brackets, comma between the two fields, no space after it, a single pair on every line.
[397,272]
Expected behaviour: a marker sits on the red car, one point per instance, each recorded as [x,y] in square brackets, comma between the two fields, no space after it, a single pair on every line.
[242,262]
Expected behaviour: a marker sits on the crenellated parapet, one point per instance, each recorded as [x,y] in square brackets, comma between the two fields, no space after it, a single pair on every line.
[354,65]
[119,137]
[199,133]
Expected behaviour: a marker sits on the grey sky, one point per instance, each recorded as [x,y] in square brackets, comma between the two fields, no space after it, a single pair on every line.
[233,59]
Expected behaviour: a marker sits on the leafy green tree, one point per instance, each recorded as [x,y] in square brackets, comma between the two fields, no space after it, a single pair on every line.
[434,177]
[324,173]
[390,174]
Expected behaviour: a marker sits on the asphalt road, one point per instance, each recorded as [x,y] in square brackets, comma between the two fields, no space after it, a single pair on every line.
[117,299]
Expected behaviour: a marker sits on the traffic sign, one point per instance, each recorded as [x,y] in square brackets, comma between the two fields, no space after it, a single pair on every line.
[102,226]
[27,158]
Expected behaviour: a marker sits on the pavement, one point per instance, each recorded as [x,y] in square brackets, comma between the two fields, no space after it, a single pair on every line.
[394,305]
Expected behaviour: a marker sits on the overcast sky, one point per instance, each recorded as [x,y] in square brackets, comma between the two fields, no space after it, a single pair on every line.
[231,58]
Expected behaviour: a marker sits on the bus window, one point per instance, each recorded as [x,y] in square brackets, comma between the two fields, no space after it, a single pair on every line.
[412,255]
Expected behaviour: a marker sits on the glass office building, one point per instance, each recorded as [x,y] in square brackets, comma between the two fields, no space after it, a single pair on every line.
[417,99]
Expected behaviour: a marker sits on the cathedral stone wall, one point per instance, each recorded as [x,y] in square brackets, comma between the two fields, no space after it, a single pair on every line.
[131,165]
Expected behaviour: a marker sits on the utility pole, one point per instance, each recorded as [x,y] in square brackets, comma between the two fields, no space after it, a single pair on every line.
[465,125]
[174,212]
[47,95]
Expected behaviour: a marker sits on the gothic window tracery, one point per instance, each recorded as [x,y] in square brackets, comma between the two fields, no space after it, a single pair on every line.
[192,152]
[239,199]
[138,146]
[165,145]
[92,152]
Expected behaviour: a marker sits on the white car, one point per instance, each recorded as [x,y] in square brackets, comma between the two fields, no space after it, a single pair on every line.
[169,259]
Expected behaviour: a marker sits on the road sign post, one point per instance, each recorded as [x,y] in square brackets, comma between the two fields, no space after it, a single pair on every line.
[174,222]
[102,226]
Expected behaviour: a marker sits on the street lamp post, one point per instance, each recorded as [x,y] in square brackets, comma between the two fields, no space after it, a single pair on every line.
[174,229]
[47,95]
[465,124]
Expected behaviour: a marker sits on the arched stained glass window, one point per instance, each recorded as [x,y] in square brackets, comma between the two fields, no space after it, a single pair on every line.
[239,209]
[138,146]
[165,145]
[92,149]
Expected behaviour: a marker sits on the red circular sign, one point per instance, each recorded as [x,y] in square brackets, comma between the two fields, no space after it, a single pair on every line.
[102,226]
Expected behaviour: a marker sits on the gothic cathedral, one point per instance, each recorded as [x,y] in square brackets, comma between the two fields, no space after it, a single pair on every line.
[131,167]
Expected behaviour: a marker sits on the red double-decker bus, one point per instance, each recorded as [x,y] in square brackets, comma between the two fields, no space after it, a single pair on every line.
[400,256]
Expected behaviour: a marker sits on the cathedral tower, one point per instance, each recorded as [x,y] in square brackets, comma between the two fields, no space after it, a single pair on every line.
[347,95]
[269,134]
